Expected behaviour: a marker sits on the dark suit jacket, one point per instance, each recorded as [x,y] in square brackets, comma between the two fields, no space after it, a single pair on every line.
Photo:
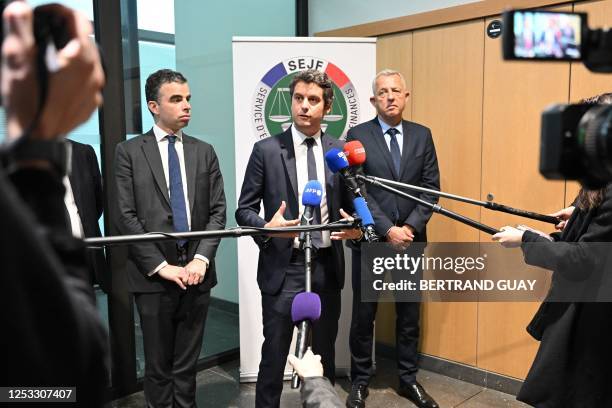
[144,206]
[271,177]
[86,183]
[419,166]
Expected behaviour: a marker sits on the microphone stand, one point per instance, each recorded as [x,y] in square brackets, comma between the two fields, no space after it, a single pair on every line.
[435,207]
[304,327]
[226,233]
[487,204]
[305,236]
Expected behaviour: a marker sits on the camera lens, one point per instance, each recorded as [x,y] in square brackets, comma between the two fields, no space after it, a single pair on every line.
[595,139]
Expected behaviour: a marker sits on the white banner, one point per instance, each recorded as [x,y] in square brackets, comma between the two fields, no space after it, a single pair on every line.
[263,68]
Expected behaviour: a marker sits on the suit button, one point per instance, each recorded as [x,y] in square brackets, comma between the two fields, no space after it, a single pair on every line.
[170,217]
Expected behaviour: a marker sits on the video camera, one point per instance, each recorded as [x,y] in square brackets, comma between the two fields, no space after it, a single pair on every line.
[575,139]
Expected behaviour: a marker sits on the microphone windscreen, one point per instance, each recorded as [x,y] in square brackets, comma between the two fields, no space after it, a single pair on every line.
[313,192]
[306,306]
[355,153]
[336,160]
[362,210]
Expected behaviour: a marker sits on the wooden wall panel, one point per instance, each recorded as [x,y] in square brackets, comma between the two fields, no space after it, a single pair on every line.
[584,82]
[487,134]
[447,98]
[393,52]
[515,93]
[464,12]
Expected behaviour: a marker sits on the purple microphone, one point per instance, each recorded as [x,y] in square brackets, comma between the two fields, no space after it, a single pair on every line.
[306,306]
[305,309]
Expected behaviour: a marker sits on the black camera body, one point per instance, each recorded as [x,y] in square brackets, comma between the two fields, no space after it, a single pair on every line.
[576,144]
[559,146]
[575,139]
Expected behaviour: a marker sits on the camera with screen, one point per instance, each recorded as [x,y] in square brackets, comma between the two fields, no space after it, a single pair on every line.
[575,139]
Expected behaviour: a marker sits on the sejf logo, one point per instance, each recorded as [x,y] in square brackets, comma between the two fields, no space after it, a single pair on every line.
[271,105]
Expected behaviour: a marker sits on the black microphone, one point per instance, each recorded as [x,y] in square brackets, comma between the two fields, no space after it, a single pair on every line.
[337,163]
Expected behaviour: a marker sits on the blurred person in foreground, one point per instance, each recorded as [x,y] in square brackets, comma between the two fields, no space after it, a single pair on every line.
[52,334]
[572,365]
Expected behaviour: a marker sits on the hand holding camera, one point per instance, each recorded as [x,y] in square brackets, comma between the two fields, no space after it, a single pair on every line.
[74,76]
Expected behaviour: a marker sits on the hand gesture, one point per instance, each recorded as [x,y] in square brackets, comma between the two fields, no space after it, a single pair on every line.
[278,220]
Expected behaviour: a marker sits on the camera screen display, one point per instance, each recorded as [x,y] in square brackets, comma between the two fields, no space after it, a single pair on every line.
[547,35]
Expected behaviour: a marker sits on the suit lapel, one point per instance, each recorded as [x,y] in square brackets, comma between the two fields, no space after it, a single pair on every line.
[379,138]
[288,158]
[327,144]
[408,148]
[190,153]
[151,152]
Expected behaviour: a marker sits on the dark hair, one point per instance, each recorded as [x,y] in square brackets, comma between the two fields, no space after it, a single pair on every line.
[312,76]
[588,199]
[157,79]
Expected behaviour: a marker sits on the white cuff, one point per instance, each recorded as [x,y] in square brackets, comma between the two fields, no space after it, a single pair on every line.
[159,268]
[202,258]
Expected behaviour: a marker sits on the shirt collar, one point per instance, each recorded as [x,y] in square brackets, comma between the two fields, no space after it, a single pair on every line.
[299,137]
[386,126]
[161,134]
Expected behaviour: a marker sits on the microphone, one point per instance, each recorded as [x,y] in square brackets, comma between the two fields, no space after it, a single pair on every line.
[355,153]
[305,309]
[338,163]
[311,199]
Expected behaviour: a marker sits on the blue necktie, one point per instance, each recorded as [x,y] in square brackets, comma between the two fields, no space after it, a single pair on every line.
[396,155]
[177,194]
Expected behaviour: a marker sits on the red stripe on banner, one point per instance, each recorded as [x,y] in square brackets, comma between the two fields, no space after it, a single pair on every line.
[336,75]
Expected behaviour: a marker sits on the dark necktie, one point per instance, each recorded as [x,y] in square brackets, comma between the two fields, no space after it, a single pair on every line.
[396,154]
[312,175]
[177,194]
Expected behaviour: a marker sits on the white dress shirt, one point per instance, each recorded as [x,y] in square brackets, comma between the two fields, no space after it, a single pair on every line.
[301,165]
[162,144]
[399,136]
[73,212]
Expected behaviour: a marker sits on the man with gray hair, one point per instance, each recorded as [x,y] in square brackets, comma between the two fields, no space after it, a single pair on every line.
[402,151]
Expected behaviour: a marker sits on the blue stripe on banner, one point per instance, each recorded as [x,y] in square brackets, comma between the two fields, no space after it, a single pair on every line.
[274,74]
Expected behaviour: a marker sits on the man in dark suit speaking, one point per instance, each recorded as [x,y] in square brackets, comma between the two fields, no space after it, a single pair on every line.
[278,169]
[403,151]
[168,181]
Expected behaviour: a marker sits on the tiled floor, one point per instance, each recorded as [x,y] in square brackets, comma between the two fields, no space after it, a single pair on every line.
[218,387]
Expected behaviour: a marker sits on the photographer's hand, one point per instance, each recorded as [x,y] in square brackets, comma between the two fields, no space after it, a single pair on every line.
[564,215]
[74,85]
[509,237]
[308,366]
